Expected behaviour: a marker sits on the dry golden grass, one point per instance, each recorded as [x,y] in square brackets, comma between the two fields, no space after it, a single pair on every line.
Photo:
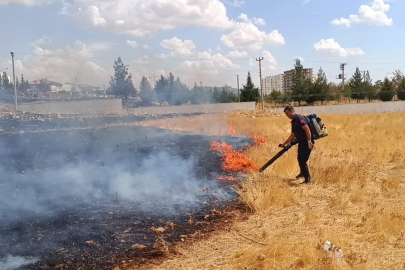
[356,200]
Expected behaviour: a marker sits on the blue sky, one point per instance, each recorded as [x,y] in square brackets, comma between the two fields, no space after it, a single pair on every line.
[207,41]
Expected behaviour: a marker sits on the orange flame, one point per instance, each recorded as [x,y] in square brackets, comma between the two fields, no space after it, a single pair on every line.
[259,140]
[235,161]
[229,178]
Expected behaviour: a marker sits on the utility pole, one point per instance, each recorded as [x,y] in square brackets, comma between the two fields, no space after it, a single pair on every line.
[342,76]
[342,68]
[260,71]
[364,86]
[237,76]
[15,86]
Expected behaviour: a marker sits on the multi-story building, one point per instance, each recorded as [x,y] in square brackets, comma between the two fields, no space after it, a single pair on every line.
[289,75]
[273,83]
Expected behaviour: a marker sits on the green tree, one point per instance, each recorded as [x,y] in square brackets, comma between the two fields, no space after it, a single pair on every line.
[275,96]
[121,83]
[5,82]
[161,89]
[44,86]
[357,85]
[249,91]
[401,89]
[336,91]
[132,90]
[215,95]
[22,84]
[144,86]
[197,94]
[146,92]
[347,91]
[397,79]
[223,97]
[318,91]
[369,89]
[179,93]
[387,90]
[301,86]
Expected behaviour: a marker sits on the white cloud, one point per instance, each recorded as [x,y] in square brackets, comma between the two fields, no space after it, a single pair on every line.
[140,18]
[306,2]
[163,56]
[43,41]
[371,15]
[258,21]
[26,2]
[100,46]
[132,43]
[208,63]
[63,64]
[246,35]
[39,51]
[331,48]
[269,62]
[235,3]
[145,47]
[237,54]
[87,14]
[210,69]
[254,20]
[144,60]
[178,46]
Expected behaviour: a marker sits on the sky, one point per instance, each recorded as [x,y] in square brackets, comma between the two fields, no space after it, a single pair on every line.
[207,42]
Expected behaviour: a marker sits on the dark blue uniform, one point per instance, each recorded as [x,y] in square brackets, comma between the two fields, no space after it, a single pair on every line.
[304,151]
[297,123]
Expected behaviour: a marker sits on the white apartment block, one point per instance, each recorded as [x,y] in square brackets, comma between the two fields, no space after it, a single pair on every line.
[273,83]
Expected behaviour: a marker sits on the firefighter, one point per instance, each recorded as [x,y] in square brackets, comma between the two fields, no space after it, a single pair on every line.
[302,133]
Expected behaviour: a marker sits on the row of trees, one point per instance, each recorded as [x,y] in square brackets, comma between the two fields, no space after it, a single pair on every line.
[6,84]
[171,90]
[167,89]
[359,87]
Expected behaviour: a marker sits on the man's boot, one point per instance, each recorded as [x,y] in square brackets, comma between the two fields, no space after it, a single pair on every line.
[307,181]
[299,176]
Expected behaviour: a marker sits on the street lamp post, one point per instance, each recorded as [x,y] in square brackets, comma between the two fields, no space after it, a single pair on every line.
[154,78]
[15,86]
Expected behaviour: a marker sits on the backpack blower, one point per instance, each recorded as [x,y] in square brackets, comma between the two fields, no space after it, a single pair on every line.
[318,131]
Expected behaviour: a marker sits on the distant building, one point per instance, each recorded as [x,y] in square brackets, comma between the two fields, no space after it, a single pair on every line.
[45,86]
[289,75]
[230,89]
[273,83]
[89,89]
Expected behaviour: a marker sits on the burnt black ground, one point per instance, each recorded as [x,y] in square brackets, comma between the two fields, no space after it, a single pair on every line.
[44,219]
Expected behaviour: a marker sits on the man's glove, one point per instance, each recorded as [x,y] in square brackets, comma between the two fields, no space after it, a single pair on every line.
[310,145]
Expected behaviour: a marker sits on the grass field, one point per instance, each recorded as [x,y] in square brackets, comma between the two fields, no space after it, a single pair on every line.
[356,200]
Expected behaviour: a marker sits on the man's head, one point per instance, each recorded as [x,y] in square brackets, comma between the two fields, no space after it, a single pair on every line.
[289,112]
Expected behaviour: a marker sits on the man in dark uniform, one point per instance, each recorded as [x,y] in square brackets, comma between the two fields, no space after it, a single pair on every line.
[302,133]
